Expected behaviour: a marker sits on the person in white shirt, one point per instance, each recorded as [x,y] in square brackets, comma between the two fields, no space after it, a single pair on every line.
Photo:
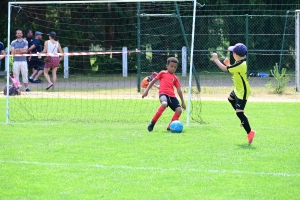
[20,46]
[52,46]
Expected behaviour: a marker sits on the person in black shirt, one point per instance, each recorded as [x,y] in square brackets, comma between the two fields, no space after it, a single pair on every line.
[2,52]
[36,62]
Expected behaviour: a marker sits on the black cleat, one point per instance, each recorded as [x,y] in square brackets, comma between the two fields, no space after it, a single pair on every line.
[36,81]
[151,126]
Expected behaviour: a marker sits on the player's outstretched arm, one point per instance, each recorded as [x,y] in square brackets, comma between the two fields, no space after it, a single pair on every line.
[149,87]
[218,62]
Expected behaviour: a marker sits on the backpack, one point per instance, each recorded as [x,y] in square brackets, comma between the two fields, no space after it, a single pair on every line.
[12,91]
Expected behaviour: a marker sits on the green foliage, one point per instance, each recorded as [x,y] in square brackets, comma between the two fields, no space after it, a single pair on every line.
[108,64]
[281,79]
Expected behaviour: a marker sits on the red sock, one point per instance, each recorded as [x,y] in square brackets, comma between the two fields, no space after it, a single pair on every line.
[175,117]
[158,113]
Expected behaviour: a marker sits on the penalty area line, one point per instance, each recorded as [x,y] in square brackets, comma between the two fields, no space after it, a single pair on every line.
[127,167]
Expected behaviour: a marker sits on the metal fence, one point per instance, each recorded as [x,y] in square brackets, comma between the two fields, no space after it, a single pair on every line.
[270,40]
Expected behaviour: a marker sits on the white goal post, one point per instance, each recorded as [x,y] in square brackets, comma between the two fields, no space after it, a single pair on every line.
[19,3]
[297,50]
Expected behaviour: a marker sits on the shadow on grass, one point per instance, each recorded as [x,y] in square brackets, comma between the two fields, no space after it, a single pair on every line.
[246,146]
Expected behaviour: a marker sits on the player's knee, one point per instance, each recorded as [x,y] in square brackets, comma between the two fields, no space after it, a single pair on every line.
[178,110]
[164,104]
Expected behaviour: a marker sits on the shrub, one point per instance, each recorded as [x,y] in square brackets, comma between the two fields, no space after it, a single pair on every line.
[281,79]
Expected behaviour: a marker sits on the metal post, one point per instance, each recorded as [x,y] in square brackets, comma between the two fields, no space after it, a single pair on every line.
[187,45]
[191,68]
[247,40]
[282,44]
[7,63]
[297,53]
[139,46]
[66,63]
[124,62]
[184,60]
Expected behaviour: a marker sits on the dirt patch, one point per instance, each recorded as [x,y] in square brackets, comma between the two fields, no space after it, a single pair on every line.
[211,89]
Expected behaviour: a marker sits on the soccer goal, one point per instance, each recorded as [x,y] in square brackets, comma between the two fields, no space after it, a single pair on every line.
[109,47]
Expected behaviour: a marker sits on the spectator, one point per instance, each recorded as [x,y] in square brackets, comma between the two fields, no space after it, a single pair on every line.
[36,63]
[20,46]
[51,46]
[2,52]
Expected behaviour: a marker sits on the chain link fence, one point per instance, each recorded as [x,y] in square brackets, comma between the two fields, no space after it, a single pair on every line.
[270,40]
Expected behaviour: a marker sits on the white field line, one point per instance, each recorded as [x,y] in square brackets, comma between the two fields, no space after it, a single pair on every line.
[126,167]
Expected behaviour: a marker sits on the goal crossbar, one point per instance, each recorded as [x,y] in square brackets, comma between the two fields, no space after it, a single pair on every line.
[96,1]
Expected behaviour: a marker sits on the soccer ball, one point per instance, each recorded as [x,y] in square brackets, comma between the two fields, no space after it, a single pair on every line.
[176,126]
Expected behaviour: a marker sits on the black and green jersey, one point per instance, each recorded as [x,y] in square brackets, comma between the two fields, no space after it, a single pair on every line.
[240,80]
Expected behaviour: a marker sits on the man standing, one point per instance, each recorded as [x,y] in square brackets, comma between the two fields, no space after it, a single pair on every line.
[20,46]
[36,63]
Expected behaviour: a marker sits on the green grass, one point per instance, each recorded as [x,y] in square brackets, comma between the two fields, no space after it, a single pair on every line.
[121,160]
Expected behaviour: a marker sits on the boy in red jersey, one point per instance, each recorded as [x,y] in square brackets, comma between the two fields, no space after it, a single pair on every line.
[167,96]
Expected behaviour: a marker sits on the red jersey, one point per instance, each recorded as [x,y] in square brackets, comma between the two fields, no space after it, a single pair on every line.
[167,82]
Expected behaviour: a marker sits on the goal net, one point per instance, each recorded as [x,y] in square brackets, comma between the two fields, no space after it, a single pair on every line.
[109,48]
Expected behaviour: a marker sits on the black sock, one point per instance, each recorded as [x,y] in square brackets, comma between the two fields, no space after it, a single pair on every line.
[244,121]
[232,102]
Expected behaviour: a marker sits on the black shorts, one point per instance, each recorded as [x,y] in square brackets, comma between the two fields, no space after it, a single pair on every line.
[239,103]
[36,63]
[173,102]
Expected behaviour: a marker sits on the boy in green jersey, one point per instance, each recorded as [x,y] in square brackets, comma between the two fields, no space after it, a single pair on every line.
[239,96]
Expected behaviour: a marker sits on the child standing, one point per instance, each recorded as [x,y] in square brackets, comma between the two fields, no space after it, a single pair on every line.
[148,79]
[167,96]
[239,96]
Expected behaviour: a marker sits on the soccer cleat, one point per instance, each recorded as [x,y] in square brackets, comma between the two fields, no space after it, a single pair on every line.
[30,80]
[27,90]
[151,126]
[251,136]
[168,128]
[36,81]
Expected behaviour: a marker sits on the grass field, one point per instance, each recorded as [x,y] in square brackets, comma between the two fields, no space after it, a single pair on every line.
[122,160]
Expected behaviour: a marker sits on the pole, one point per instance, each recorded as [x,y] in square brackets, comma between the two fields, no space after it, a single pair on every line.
[66,63]
[282,44]
[247,40]
[139,47]
[7,64]
[191,67]
[186,43]
[297,48]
